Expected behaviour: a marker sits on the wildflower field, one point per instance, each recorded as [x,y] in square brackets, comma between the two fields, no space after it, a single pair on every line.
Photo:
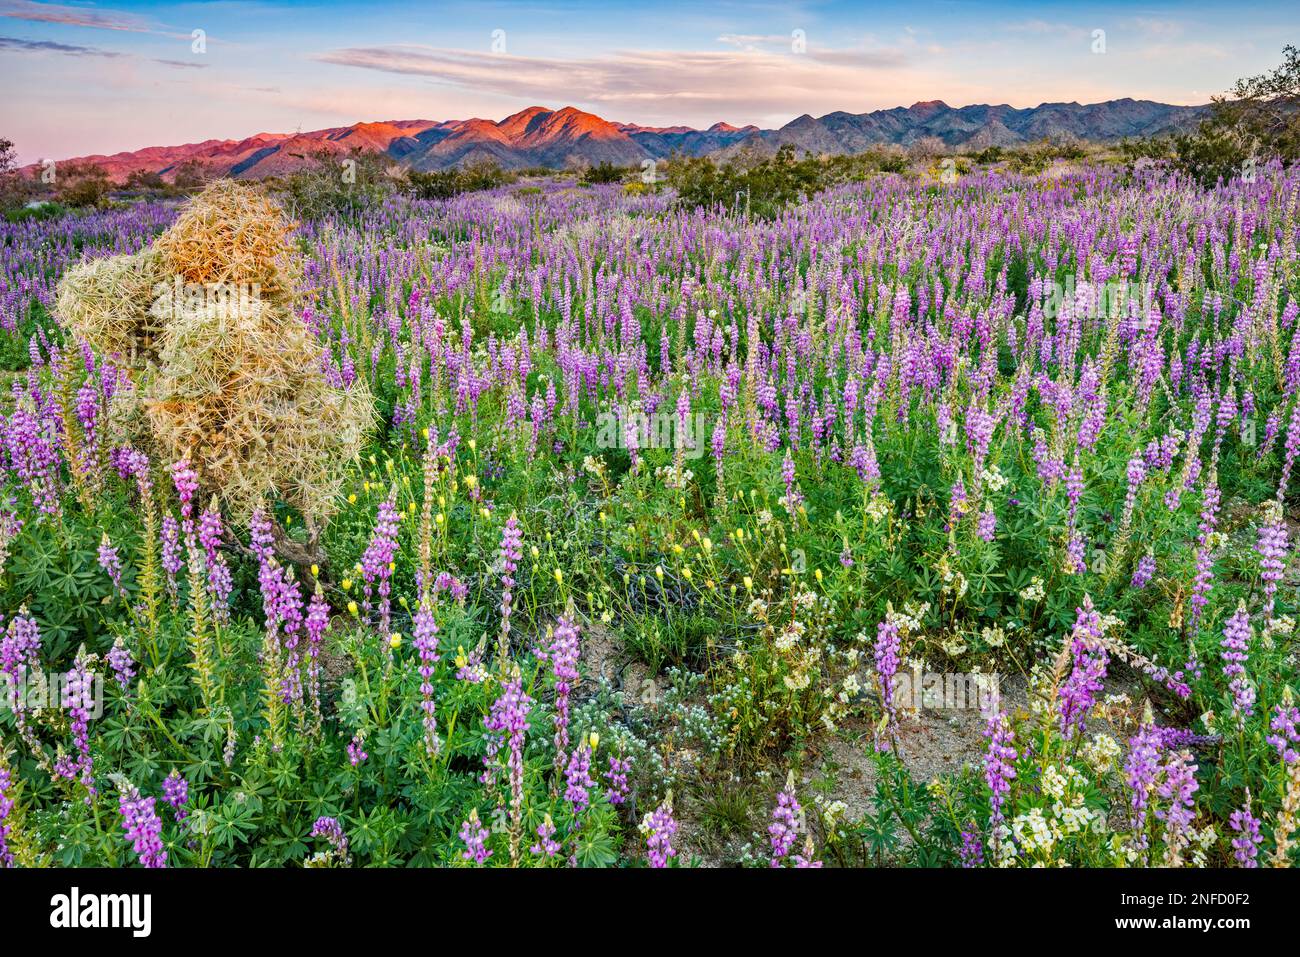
[920,523]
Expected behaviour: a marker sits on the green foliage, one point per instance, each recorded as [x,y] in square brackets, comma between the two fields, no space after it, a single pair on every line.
[334,185]
[81,184]
[764,186]
[603,172]
[467,178]
[1256,121]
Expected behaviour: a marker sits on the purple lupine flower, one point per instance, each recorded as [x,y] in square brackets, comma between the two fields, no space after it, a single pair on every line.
[806,861]
[31,447]
[618,790]
[6,808]
[1290,449]
[186,481]
[545,834]
[475,835]
[176,792]
[1236,650]
[511,551]
[577,779]
[987,526]
[792,494]
[18,651]
[959,504]
[1141,769]
[1285,725]
[356,753]
[886,652]
[509,722]
[783,832]
[1204,556]
[261,538]
[999,768]
[330,829]
[111,563]
[863,461]
[472,670]
[1074,552]
[1078,693]
[377,562]
[562,652]
[1136,473]
[79,701]
[171,552]
[971,852]
[121,662]
[659,828]
[317,620]
[1272,549]
[219,581]
[1245,846]
[426,643]
[143,828]
[1177,786]
[1145,570]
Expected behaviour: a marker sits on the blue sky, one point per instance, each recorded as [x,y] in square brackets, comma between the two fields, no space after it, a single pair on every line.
[84,78]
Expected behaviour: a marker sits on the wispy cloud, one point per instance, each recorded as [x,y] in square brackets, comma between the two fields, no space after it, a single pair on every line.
[74,16]
[50,46]
[19,45]
[181,64]
[95,18]
[725,79]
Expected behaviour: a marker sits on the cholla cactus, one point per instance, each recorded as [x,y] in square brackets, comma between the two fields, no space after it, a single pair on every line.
[240,392]
[108,303]
[230,377]
[231,234]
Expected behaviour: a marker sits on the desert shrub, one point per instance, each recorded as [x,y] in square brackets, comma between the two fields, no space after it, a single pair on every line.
[1148,149]
[468,178]
[334,185]
[1030,160]
[763,186]
[81,184]
[1256,121]
[13,189]
[190,175]
[147,180]
[926,149]
[38,211]
[603,172]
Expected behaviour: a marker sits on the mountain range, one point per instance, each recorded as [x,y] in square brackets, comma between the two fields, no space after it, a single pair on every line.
[539,137]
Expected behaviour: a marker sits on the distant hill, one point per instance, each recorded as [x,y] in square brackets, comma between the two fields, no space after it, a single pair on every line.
[558,138]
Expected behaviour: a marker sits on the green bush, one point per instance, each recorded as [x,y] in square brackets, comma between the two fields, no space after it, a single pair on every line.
[469,178]
[330,185]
